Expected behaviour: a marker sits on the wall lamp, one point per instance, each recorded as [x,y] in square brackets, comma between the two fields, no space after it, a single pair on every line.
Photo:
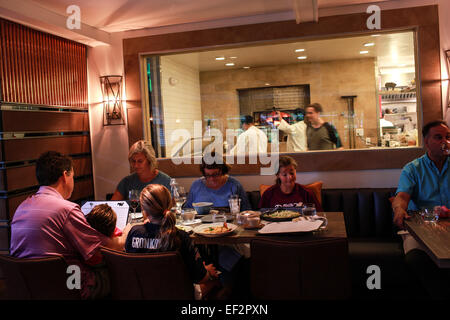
[112,100]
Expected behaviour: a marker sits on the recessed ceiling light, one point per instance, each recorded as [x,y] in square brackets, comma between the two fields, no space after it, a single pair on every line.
[233,57]
[302,57]
[369,44]
[220,58]
[267,84]
[246,67]
[364,52]
[229,64]
[299,50]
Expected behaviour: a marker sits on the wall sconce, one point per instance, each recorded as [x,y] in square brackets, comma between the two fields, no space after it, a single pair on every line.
[112,100]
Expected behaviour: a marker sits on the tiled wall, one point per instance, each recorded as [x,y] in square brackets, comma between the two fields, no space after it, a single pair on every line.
[180,90]
[328,82]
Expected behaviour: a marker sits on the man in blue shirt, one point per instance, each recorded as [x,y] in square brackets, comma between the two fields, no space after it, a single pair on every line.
[425,183]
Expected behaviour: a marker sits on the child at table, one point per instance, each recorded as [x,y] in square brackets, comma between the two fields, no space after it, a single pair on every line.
[159,234]
[103,219]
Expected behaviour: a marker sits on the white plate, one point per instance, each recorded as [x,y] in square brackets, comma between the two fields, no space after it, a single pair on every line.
[196,221]
[137,215]
[184,228]
[200,229]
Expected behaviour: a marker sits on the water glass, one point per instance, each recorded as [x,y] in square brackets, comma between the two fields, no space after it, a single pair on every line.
[235,205]
[218,216]
[309,210]
[429,215]
[188,215]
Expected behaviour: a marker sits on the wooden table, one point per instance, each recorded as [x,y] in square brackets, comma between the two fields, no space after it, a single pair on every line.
[335,229]
[434,236]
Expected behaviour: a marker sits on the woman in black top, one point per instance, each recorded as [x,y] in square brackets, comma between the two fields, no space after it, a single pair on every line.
[159,234]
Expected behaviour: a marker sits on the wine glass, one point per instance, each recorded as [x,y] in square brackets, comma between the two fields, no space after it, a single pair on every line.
[179,195]
[133,197]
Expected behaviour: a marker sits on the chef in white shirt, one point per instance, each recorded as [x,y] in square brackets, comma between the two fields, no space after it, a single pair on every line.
[296,141]
[252,140]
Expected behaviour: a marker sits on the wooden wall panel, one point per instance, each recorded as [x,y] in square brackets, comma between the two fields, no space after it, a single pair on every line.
[45,121]
[25,176]
[43,81]
[32,148]
[83,189]
[41,68]
[4,238]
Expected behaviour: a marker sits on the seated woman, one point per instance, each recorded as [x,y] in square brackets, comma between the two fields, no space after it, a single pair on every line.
[159,234]
[216,186]
[103,219]
[286,192]
[143,162]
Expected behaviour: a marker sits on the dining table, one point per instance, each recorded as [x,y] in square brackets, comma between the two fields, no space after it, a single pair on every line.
[334,229]
[434,236]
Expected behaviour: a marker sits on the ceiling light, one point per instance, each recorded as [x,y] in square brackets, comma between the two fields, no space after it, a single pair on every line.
[267,84]
[246,67]
[229,64]
[369,44]
[299,50]
[233,57]
[220,58]
[302,57]
[364,52]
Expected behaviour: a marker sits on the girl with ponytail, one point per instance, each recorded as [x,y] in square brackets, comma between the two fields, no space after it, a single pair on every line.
[158,233]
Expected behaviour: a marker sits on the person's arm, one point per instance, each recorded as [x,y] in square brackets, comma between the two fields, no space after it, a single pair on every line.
[95,260]
[245,204]
[399,206]
[117,196]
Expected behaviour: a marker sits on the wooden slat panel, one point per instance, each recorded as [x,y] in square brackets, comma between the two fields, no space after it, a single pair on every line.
[24,177]
[28,149]
[39,68]
[82,189]
[44,121]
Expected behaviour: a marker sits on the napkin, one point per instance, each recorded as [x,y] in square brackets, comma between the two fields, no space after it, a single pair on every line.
[291,226]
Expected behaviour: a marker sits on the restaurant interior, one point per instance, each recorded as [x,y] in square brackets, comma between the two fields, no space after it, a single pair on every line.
[89,79]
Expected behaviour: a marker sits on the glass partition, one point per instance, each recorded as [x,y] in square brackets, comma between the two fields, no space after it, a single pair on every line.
[366,86]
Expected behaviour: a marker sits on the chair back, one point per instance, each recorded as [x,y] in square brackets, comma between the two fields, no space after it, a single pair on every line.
[148,276]
[282,270]
[36,279]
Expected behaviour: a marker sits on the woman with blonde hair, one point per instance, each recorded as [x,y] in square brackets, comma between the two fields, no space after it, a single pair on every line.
[144,166]
[158,234]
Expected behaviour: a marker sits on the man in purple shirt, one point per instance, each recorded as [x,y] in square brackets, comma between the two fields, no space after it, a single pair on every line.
[47,224]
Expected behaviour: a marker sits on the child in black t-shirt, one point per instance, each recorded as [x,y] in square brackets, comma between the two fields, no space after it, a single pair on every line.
[159,234]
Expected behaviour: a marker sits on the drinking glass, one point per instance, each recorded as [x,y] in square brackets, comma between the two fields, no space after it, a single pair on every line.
[218,216]
[309,209]
[133,197]
[188,215]
[235,205]
[429,215]
[179,195]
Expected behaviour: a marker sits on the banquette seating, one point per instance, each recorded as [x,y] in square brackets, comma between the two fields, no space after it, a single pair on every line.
[372,239]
